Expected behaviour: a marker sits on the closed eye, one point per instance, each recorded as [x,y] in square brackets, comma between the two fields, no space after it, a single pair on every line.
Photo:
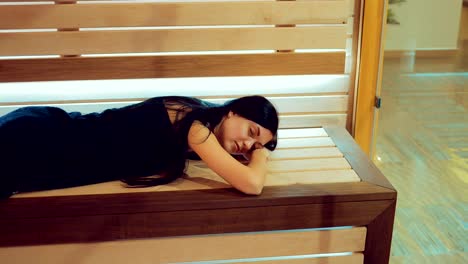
[251,132]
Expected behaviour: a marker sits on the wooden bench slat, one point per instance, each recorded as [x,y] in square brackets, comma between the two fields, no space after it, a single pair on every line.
[313,120]
[172,14]
[194,248]
[305,143]
[308,165]
[298,85]
[311,177]
[172,40]
[316,104]
[305,153]
[204,178]
[283,172]
[356,258]
[134,67]
[302,132]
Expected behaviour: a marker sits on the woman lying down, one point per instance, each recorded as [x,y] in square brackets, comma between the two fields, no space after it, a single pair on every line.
[143,144]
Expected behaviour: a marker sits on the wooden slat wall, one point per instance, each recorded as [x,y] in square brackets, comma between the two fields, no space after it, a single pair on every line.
[158,28]
[194,248]
[172,14]
[85,68]
[172,40]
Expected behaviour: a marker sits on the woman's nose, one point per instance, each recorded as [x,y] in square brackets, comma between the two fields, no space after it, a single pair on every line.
[248,144]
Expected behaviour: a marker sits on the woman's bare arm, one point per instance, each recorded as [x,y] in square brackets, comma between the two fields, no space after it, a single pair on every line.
[248,179]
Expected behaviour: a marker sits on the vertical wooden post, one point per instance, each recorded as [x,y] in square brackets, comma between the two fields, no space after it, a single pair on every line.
[65,2]
[371,58]
[354,10]
[379,237]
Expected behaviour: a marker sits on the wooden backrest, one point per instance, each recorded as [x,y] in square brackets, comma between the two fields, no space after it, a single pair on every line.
[93,40]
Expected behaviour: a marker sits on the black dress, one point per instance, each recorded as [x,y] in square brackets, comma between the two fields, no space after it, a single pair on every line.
[47,148]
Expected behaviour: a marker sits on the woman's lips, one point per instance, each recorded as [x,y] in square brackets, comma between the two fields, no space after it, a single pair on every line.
[237,147]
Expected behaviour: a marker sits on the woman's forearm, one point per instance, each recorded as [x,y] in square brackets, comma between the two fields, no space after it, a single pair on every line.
[259,169]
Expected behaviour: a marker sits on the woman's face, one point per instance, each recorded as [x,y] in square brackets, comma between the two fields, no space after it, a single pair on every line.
[238,135]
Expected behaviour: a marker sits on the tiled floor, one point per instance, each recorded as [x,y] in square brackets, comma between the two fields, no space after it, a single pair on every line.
[422,148]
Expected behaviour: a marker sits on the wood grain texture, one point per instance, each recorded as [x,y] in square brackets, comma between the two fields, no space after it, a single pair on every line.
[303,153]
[312,120]
[312,142]
[379,238]
[106,227]
[308,164]
[370,66]
[172,14]
[352,60]
[359,161]
[171,40]
[356,258]
[106,217]
[74,255]
[199,248]
[133,201]
[22,70]
[301,133]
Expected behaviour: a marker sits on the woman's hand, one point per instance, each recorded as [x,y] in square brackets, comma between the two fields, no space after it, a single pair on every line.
[261,153]
[256,146]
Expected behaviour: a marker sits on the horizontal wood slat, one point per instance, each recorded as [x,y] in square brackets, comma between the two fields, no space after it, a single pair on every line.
[356,258]
[202,178]
[197,248]
[305,143]
[300,153]
[22,70]
[311,120]
[316,104]
[114,199]
[58,256]
[152,224]
[139,89]
[172,40]
[172,14]
[26,252]
[311,177]
[308,165]
[284,105]
[302,133]
[293,165]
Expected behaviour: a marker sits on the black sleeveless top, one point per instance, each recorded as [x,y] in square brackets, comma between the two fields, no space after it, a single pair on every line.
[48,148]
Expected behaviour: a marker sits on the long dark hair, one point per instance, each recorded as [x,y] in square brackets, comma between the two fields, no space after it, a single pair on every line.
[255,108]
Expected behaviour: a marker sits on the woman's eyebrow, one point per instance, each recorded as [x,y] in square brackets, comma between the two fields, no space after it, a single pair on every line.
[258,131]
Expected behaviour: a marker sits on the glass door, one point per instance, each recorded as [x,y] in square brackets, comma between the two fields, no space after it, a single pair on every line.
[421,140]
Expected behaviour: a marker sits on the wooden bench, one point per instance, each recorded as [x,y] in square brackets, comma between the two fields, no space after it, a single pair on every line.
[324,200]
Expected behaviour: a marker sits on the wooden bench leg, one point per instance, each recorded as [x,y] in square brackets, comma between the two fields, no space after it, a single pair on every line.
[379,237]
